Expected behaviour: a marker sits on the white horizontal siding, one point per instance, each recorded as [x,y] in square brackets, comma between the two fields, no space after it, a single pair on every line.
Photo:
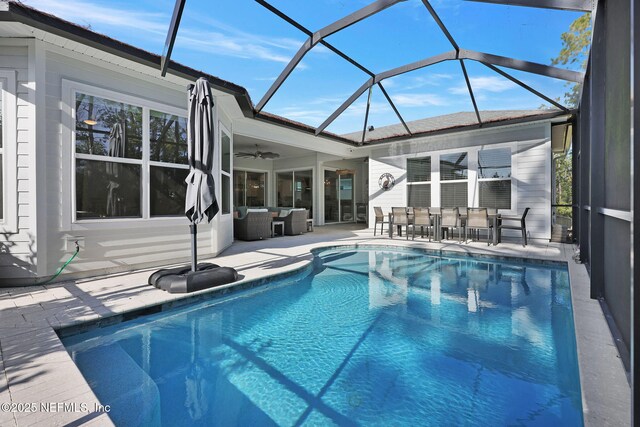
[18,259]
[391,198]
[533,174]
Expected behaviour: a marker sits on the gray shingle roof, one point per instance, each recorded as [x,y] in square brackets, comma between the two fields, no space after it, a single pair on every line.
[447,121]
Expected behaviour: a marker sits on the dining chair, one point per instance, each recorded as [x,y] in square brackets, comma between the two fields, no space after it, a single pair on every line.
[478,219]
[451,220]
[522,227]
[401,219]
[422,219]
[379,218]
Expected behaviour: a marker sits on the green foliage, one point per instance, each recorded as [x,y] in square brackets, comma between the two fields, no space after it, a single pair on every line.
[575,51]
[563,183]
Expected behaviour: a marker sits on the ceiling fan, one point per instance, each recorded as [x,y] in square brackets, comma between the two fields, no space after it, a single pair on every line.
[258,154]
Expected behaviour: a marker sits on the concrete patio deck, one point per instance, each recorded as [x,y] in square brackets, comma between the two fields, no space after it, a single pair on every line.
[35,367]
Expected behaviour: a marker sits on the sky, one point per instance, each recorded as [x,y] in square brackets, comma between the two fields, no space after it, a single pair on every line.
[243,42]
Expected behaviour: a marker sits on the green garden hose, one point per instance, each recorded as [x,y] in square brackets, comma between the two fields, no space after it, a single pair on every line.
[61,268]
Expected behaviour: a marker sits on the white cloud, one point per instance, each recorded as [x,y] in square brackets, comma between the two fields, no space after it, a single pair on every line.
[222,44]
[491,84]
[94,13]
[224,40]
[310,116]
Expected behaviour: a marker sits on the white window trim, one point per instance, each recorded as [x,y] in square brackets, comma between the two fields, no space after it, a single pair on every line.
[9,221]
[294,170]
[69,90]
[410,183]
[510,179]
[223,128]
[266,182]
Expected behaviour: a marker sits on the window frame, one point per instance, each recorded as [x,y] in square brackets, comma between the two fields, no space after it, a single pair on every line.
[444,182]
[266,184]
[480,180]
[9,220]
[222,128]
[69,90]
[419,183]
[156,163]
[292,171]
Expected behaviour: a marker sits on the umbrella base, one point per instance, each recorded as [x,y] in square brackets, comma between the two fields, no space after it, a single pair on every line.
[180,280]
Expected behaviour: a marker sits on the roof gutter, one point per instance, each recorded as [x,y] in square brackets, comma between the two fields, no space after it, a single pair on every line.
[485,125]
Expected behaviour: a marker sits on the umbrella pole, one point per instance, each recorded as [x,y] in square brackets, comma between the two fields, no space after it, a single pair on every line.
[194,246]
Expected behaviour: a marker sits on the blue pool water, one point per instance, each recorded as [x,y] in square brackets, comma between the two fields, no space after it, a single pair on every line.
[368,337]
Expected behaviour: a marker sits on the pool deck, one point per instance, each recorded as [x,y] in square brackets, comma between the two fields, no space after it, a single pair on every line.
[43,386]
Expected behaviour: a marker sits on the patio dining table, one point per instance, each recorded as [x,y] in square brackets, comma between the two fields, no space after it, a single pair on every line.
[437,217]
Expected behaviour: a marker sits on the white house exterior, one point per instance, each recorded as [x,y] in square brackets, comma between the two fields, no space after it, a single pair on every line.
[47,70]
[529,154]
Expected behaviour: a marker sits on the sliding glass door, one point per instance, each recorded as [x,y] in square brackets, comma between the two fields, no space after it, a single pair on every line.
[331,206]
[338,197]
[249,188]
[295,190]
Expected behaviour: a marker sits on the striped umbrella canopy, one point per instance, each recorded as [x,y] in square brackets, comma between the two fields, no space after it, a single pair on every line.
[200,202]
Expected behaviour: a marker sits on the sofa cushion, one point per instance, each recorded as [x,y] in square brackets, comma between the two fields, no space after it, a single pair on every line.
[257,210]
[284,212]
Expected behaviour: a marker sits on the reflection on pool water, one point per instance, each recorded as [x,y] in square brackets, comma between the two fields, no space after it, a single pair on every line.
[369,337]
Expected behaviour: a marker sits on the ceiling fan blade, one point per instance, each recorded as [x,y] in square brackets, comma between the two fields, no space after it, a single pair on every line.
[269,155]
[247,155]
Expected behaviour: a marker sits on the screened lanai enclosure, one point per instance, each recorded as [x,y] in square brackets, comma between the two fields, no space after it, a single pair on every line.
[379,70]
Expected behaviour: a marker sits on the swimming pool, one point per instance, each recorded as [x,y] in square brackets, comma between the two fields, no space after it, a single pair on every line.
[372,336]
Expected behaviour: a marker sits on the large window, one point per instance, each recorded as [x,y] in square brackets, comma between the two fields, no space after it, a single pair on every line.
[453,180]
[249,188]
[108,158]
[419,182]
[225,155]
[295,189]
[494,178]
[168,163]
[114,156]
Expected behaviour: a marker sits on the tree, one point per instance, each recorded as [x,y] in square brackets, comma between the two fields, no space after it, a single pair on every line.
[576,44]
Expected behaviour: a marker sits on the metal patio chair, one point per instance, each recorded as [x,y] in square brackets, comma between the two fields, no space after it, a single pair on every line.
[522,227]
[422,219]
[379,219]
[451,220]
[478,219]
[401,219]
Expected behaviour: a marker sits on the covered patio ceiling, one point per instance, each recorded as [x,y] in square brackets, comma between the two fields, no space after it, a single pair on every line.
[376,72]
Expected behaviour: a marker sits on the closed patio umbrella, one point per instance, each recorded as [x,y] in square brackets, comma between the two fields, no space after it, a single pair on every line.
[200,202]
[116,149]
